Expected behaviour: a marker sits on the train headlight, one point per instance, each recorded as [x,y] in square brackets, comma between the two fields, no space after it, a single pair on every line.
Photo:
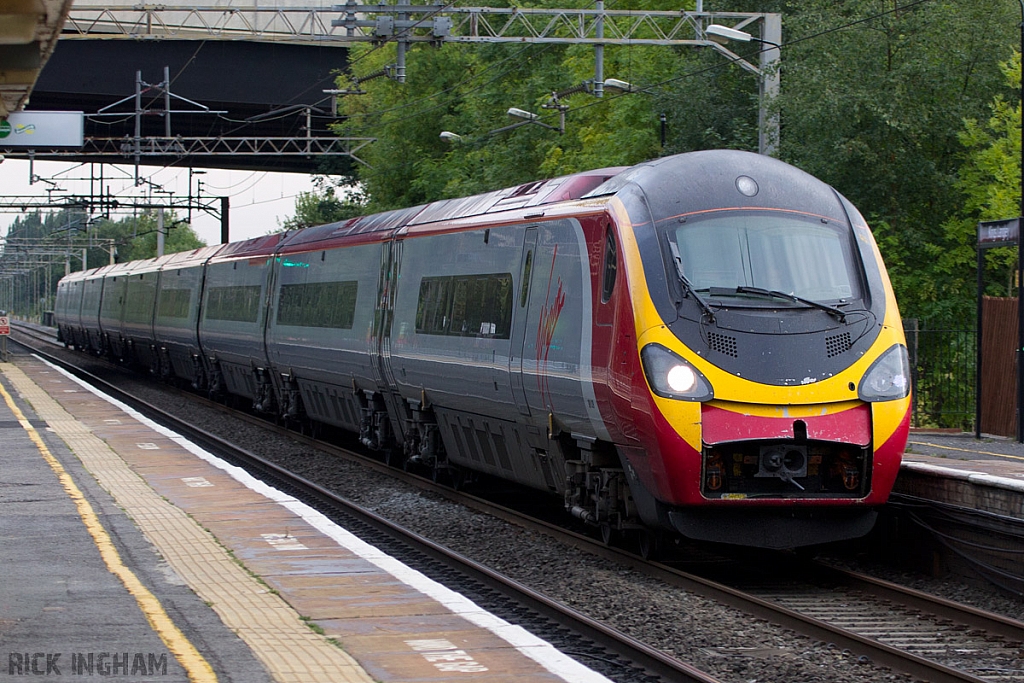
[672,377]
[888,378]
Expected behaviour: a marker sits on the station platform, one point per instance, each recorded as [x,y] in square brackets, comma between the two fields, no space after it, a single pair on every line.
[129,552]
[957,469]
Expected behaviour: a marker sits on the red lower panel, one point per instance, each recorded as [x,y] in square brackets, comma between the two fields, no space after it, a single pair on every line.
[850,426]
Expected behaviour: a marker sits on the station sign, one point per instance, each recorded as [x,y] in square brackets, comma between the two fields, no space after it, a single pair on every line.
[43,130]
[5,325]
[1004,233]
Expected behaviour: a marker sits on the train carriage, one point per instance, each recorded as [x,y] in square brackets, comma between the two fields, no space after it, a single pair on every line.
[232,319]
[141,289]
[176,318]
[67,310]
[322,318]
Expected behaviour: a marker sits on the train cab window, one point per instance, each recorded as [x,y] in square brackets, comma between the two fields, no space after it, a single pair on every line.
[239,303]
[466,306]
[318,304]
[789,253]
[610,266]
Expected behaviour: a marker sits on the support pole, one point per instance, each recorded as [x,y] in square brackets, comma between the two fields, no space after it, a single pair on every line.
[225,203]
[599,51]
[768,123]
[138,124]
[977,351]
[167,102]
[160,232]
[1020,263]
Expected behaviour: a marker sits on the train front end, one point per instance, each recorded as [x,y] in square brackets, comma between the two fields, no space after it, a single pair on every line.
[772,350]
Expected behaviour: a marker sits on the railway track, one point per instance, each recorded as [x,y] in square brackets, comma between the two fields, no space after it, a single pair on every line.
[930,638]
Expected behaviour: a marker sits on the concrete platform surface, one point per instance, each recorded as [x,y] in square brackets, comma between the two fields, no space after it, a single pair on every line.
[269,589]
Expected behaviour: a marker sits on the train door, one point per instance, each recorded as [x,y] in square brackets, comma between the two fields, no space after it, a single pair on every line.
[521,306]
[380,343]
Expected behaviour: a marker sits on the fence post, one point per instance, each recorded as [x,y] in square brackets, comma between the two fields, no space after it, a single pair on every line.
[910,331]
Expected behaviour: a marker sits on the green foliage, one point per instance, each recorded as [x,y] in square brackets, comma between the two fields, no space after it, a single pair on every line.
[135,237]
[874,98]
[60,238]
[323,205]
[877,110]
[989,184]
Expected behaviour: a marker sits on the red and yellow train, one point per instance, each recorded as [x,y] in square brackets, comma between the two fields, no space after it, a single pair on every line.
[706,344]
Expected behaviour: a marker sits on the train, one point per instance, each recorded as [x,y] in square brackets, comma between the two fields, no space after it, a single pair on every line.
[704,345]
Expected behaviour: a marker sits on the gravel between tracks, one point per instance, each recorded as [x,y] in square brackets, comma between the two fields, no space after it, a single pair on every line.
[725,642]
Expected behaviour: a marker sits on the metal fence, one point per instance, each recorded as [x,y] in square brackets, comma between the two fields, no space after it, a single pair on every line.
[943,366]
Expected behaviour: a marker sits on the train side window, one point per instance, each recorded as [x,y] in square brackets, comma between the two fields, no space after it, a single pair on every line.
[610,266]
[466,306]
[174,303]
[318,304]
[524,292]
[433,305]
[238,303]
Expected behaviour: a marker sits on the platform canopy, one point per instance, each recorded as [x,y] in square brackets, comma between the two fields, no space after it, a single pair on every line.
[28,33]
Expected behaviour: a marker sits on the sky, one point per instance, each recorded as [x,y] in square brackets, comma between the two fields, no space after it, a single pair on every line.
[260,201]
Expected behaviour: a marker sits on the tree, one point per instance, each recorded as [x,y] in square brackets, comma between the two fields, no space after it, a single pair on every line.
[135,237]
[323,205]
[876,109]
[989,184]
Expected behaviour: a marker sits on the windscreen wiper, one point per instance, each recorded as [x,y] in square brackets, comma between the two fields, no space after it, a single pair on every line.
[688,289]
[774,293]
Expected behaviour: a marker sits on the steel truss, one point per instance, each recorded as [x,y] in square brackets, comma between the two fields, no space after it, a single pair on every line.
[417,23]
[437,24]
[187,147]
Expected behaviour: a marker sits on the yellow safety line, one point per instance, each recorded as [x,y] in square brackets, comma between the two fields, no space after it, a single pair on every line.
[197,668]
[965,450]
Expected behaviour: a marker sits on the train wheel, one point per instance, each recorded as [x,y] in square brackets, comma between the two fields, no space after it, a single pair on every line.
[649,544]
[608,533]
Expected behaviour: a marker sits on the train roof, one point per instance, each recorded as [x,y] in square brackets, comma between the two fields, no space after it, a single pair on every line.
[379,226]
[710,180]
[99,272]
[256,247]
[190,259]
[374,227]
[143,266]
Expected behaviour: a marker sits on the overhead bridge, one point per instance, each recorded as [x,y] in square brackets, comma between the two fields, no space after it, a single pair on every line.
[256,75]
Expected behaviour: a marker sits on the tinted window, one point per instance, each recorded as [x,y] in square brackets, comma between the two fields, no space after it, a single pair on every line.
[174,303]
[318,304]
[239,304]
[610,266]
[466,305]
[139,305]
